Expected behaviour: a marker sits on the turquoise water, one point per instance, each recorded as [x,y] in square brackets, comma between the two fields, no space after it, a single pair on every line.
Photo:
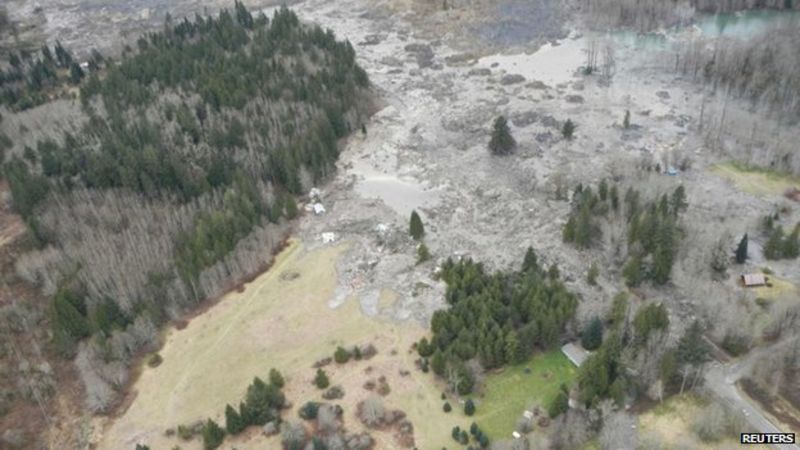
[746,24]
[741,25]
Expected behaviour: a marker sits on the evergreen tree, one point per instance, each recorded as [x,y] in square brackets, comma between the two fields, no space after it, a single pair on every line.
[469,407]
[275,378]
[592,336]
[773,248]
[416,229]
[791,245]
[692,348]
[559,405]
[513,353]
[530,262]
[678,200]
[75,73]
[447,407]
[233,421]
[424,348]
[321,379]
[501,143]
[213,435]
[568,129]
[341,355]
[438,363]
[591,276]
[261,403]
[741,250]
[67,316]
[633,271]
[423,254]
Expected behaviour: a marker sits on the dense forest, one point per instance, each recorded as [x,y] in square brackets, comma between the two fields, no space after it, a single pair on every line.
[498,318]
[182,177]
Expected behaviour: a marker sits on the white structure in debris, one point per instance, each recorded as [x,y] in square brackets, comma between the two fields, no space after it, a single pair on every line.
[319,209]
[328,237]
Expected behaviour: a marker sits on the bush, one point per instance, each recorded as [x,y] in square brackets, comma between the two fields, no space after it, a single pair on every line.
[735,344]
[154,360]
[335,392]
[309,411]
[447,408]
[469,407]
[341,355]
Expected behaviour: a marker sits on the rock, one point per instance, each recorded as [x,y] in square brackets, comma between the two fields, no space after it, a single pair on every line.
[494,65]
[664,95]
[574,99]
[550,122]
[536,85]
[391,61]
[482,72]
[545,137]
[524,119]
[373,39]
[511,79]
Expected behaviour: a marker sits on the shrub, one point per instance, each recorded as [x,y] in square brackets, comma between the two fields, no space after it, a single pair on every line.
[423,254]
[309,411]
[154,360]
[447,408]
[335,392]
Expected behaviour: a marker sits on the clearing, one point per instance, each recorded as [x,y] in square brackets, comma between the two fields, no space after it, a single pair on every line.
[508,394]
[755,180]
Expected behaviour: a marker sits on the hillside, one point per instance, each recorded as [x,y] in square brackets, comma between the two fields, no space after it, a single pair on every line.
[177,177]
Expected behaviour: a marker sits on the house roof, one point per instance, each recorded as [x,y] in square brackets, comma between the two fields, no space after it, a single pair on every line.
[754,279]
[575,353]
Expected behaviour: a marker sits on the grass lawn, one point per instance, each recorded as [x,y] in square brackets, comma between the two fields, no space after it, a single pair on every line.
[780,289]
[508,394]
[756,180]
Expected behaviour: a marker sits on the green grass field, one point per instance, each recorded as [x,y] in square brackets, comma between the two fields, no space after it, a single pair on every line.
[508,394]
[756,180]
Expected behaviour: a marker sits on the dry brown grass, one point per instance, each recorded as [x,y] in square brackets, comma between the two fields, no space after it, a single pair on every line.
[285,324]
